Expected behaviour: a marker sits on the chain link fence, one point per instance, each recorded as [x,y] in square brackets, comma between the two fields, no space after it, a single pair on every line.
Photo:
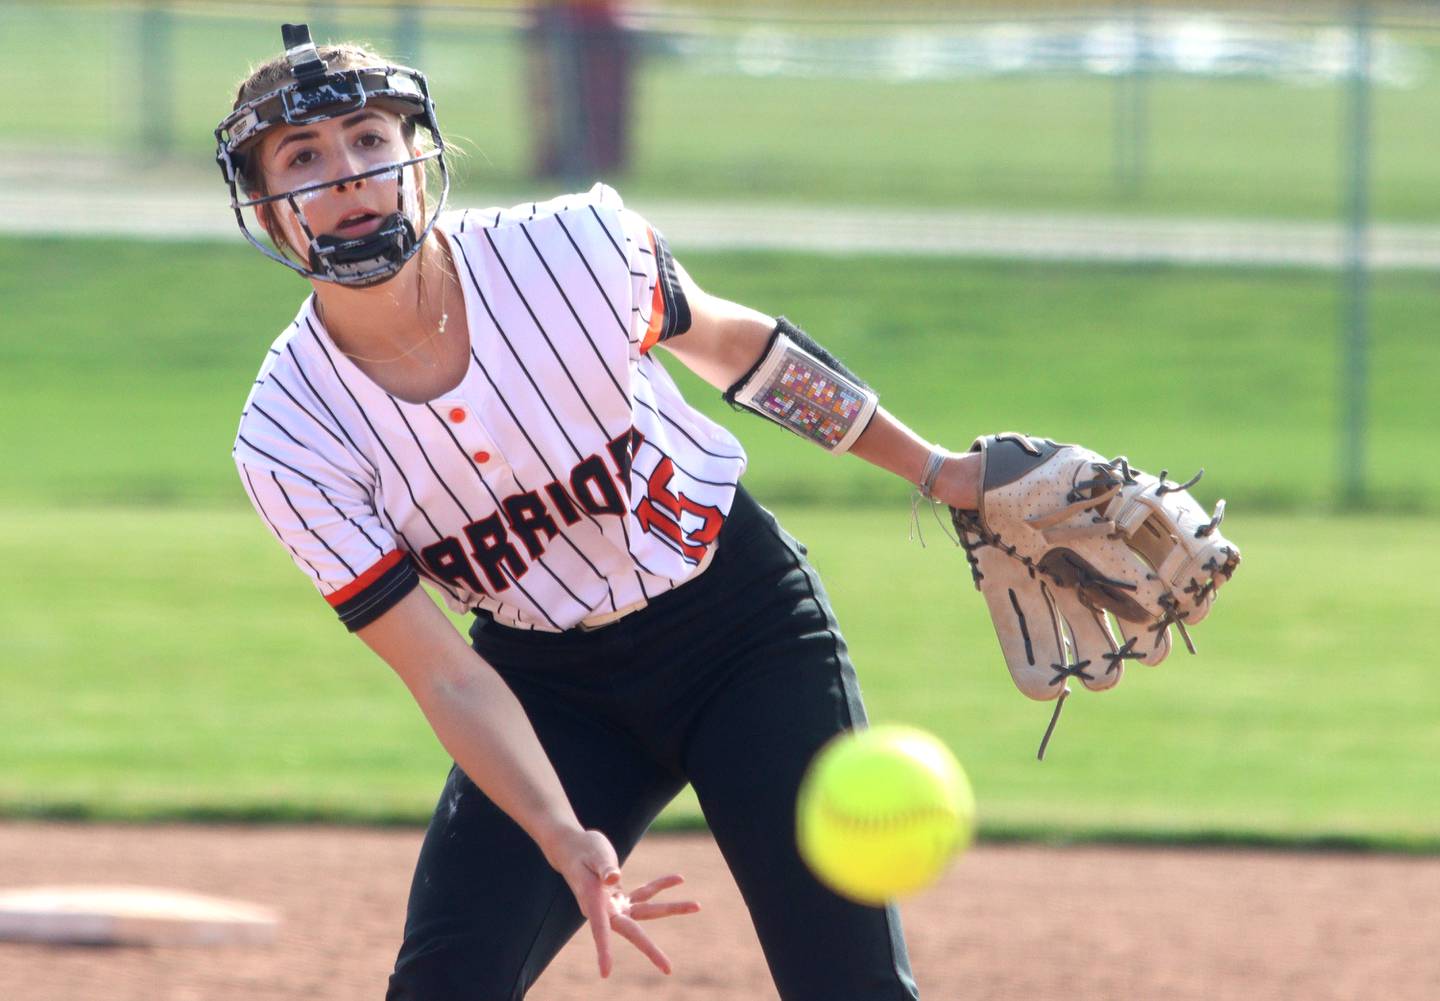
[1294,135]
[1141,108]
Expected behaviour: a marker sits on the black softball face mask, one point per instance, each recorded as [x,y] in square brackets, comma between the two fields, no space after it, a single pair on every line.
[318,95]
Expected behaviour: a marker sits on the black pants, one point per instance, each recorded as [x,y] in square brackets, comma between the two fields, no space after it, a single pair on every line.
[730,682]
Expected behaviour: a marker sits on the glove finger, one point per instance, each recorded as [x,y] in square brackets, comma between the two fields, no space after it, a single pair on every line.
[1199,578]
[1150,642]
[1168,529]
[1095,653]
[1030,633]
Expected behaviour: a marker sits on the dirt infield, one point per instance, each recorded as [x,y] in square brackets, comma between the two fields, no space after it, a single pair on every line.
[1007,922]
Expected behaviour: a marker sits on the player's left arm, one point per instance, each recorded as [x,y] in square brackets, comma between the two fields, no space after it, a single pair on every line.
[723,343]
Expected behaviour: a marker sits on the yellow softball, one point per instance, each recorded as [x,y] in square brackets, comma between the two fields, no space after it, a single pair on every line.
[882,811]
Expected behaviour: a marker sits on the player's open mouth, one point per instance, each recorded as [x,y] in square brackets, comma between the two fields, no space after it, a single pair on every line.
[358,224]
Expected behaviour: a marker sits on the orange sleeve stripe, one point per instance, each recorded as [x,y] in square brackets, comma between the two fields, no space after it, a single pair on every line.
[657,302]
[359,584]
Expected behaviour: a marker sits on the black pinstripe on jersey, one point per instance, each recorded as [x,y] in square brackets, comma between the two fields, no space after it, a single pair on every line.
[564,475]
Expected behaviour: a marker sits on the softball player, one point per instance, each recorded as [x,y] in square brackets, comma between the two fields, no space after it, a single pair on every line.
[472,399]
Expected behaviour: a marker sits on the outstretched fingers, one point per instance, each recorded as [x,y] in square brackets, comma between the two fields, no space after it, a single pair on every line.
[597,915]
[635,935]
[649,912]
[655,886]
[641,909]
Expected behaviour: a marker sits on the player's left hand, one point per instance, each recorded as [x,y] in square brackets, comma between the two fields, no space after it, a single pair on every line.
[1063,538]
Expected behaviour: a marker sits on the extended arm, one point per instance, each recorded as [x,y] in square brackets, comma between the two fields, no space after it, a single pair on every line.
[726,338]
[484,728]
[476,717]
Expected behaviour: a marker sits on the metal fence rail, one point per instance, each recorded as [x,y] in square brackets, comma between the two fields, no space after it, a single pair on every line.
[1146,240]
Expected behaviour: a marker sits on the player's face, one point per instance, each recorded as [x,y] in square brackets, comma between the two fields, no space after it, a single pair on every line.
[296,156]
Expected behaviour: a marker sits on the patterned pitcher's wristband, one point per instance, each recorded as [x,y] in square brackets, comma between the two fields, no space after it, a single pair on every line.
[813,396]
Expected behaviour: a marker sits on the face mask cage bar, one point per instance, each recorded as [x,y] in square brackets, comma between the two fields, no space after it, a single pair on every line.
[318,96]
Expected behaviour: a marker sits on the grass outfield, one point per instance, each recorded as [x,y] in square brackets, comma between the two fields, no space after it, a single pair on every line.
[159,656]
[124,367]
[173,664]
[1227,146]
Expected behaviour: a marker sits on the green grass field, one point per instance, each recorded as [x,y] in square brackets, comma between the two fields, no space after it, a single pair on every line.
[159,656]
[125,365]
[1224,146]
[173,663]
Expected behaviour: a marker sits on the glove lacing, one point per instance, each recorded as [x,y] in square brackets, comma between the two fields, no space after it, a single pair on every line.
[1086,495]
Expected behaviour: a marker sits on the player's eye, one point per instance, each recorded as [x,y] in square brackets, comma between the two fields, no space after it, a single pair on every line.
[302,158]
[371,140]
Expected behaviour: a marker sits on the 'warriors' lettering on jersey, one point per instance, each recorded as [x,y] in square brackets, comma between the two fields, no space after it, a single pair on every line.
[563,477]
[530,521]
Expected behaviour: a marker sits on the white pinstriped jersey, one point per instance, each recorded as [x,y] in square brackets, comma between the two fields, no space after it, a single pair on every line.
[564,477]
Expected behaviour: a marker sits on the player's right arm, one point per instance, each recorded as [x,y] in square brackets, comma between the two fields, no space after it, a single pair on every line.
[476,717]
[484,728]
[317,498]
[316,494]
[322,513]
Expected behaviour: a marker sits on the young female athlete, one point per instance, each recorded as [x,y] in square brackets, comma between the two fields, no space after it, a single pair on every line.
[472,399]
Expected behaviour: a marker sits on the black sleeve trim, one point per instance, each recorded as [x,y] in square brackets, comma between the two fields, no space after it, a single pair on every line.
[677,307]
[379,597]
